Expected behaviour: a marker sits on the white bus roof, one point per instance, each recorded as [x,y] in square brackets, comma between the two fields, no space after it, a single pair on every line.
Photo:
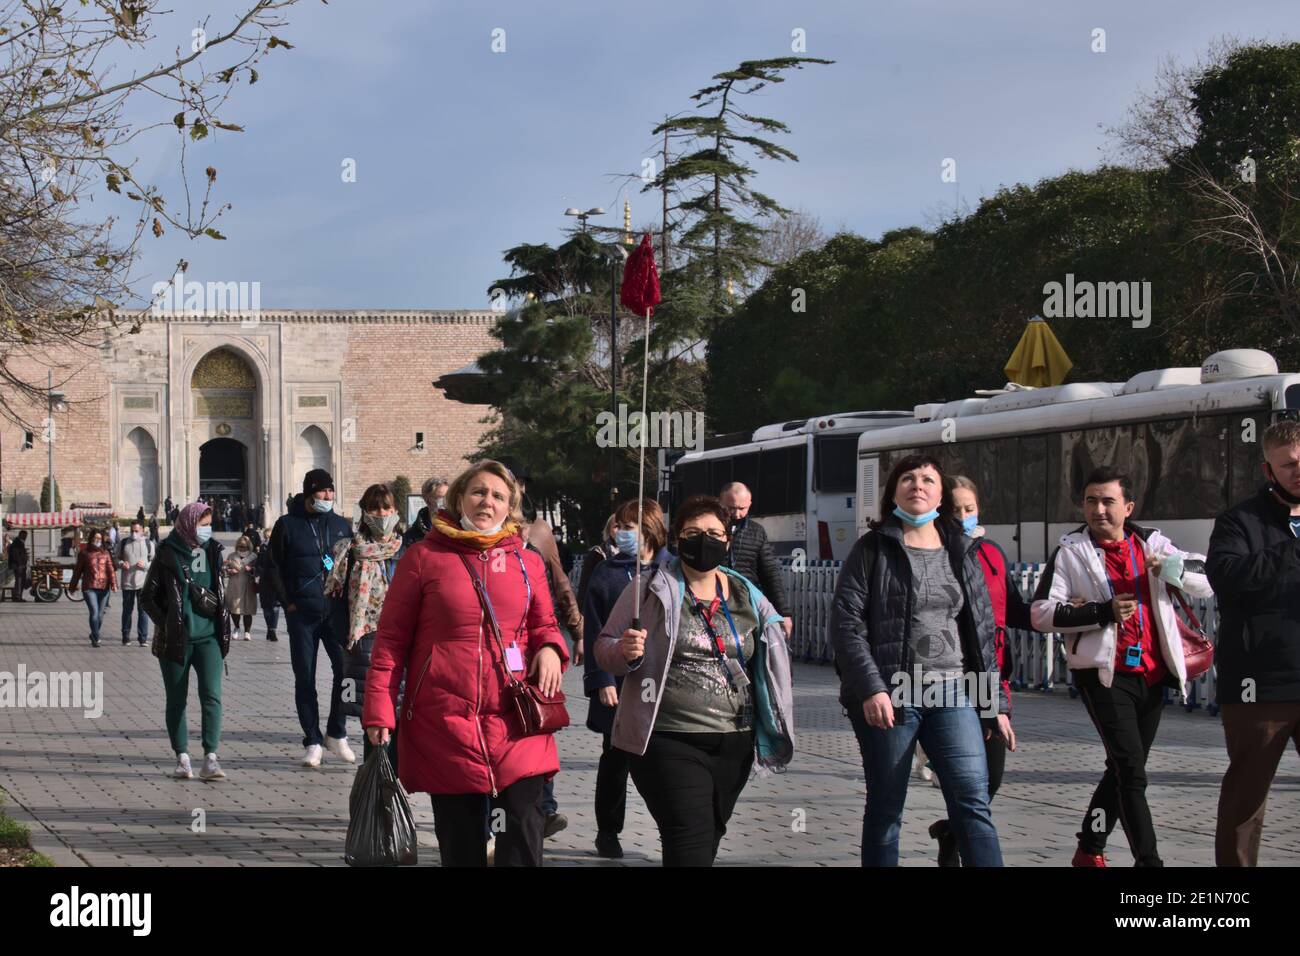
[1172,401]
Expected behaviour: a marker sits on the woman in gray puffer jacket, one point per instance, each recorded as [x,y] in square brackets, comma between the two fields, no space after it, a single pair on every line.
[912,627]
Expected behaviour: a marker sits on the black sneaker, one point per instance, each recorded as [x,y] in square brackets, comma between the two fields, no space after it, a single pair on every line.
[270,636]
[607,845]
[555,822]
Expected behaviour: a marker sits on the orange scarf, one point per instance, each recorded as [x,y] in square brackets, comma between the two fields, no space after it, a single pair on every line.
[480,540]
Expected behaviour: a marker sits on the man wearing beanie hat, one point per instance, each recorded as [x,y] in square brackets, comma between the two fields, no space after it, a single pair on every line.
[302,543]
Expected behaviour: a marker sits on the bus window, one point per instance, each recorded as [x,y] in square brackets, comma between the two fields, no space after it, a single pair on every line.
[745,470]
[693,479]
[996,479]
[720,470]
[781,482]
[1033,478]
[834,460]
[1246,456]
[1187,468]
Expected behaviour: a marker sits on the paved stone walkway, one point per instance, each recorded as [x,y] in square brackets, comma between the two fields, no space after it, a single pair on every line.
[100,786]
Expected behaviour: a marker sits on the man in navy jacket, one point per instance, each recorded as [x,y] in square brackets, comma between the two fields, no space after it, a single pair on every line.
[302,543]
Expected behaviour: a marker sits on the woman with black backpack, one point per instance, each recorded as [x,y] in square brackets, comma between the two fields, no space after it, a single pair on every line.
[363,567]
[183,595]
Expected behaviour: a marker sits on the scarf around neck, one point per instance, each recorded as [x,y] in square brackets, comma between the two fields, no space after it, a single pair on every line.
[366,588]
[444,524]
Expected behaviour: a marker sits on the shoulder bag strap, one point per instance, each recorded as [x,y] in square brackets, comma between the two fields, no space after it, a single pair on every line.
[1187,608]
[486,603]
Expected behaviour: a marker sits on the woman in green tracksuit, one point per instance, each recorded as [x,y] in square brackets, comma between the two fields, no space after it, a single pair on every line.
[186,575]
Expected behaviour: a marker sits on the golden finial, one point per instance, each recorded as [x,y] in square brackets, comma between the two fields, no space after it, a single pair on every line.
[627,222]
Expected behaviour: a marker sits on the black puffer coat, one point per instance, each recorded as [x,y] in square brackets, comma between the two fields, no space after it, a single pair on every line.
[870,620]
[752,555]
[162,598]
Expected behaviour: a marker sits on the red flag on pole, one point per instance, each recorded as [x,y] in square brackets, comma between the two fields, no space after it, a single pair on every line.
[640,294]
[640,290]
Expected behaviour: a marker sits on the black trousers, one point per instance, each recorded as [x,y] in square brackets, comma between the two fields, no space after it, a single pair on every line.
[460,819]
[995,752]
[611,788]
[690,784]
[1127,716]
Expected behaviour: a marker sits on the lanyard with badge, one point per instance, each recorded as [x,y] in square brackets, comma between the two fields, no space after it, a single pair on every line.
[326,560]
[514,656]
[734,666]
[1133,655]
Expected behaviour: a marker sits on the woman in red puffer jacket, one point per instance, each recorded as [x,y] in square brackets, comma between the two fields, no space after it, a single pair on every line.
[460,741]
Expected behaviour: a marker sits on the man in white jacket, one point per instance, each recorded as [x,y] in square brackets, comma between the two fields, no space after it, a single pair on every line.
[134,555]
[1106,589]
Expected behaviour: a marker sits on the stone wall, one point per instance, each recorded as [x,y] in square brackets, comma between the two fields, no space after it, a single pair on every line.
[365,379]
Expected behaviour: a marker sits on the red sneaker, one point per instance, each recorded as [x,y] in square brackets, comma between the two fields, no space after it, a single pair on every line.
[1087,859]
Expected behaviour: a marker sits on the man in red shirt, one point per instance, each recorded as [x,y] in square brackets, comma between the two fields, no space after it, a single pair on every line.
[1106,590]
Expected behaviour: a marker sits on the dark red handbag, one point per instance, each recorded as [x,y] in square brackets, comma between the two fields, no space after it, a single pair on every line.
[1198,651]
[537,714]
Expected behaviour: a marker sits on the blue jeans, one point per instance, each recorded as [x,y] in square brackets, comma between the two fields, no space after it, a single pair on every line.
[954,740]
[131,601]
[271,615]
[307,632]
[96,600]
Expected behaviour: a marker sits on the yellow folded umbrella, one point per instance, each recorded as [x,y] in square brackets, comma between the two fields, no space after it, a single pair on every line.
[1039,360]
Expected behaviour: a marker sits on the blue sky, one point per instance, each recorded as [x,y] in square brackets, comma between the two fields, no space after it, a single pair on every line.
[462,152]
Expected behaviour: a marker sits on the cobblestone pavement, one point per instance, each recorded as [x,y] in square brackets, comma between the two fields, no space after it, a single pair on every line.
[100,786]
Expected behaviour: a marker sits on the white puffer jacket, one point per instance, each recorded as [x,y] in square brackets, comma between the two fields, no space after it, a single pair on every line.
[1077,571]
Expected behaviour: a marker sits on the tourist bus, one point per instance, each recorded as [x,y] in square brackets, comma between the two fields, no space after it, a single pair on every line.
[801,474]
[1189,438]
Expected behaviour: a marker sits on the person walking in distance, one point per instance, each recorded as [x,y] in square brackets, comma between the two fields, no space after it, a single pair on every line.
[608,581]
[18,559]
[182,593]
[1009,611]
[95,573]
[134,555]
[1108,588]
[241,592]
[266,591]
[364,566]
[434,493]
[751,553]
[1254,567]
[302,546]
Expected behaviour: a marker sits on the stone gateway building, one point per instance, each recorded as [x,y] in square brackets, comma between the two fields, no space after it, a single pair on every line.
[241,408]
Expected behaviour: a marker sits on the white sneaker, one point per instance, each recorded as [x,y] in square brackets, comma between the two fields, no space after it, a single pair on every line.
[248,636]
[311,756]
[339,746]
[211,769]
[183,769]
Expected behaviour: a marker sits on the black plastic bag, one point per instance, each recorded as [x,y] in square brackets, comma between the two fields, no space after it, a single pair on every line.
[381,829]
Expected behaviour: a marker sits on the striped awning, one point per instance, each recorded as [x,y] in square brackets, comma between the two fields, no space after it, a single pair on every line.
[95,513]
[44,519]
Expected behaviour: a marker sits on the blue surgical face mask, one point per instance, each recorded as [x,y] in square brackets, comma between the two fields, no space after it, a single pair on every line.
[626,542]
[915,520]
[970,523]
[203,532]
[322,505]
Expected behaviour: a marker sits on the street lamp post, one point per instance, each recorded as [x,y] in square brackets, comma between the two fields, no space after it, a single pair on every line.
[53,400]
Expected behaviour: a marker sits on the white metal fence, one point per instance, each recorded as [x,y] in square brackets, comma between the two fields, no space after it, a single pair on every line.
[1038,660]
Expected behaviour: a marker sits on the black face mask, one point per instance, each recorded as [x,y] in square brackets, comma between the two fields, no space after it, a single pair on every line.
[702,552]
[1278,490]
